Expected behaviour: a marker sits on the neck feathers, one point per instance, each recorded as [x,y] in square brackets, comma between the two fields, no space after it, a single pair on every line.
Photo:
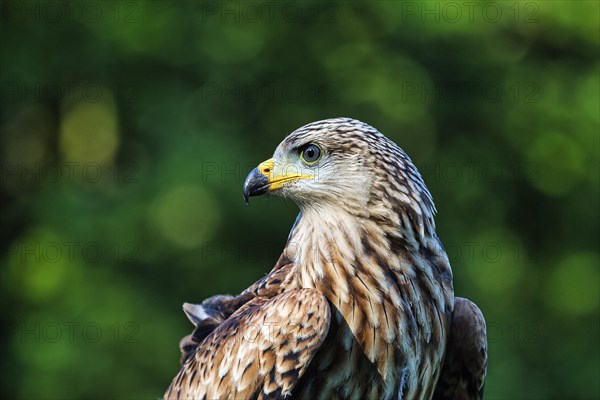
[381,286]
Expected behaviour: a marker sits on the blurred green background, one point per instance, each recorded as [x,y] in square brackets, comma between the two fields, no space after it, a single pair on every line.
[127,129]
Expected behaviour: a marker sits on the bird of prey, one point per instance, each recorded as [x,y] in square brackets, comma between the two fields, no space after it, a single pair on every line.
[360,305]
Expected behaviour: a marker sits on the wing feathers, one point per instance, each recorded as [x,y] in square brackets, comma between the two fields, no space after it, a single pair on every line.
[260,351]
[463,374]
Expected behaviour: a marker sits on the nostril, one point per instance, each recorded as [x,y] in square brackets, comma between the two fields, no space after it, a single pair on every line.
[267,170]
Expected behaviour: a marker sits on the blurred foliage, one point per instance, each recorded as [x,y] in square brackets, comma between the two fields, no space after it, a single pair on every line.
[127,129]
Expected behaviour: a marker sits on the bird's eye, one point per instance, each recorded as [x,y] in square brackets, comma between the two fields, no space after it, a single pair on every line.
[311,154]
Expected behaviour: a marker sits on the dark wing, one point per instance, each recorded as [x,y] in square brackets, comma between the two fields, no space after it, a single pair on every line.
[463,373]
[260,351]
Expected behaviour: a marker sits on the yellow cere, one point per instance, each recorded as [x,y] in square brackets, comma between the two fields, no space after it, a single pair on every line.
[283,174]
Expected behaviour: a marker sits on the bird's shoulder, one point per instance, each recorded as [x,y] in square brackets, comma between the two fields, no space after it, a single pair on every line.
[261,349]
[215,310]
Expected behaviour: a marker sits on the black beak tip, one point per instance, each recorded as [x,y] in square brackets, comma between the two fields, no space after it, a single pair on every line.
[246,192]
[255,184]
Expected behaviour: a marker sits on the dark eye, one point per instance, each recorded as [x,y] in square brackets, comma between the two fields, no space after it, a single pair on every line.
[311,153]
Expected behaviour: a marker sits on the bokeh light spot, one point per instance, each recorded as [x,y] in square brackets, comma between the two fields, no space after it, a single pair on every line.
[89,133]
[38,264]
[573,285]
[186,215]
[494,261]
[560,161]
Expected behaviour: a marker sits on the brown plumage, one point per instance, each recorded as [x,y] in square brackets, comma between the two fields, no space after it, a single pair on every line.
[359,305]
[463,375]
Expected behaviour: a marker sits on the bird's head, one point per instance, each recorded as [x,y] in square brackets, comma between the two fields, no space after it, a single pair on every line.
[341,163]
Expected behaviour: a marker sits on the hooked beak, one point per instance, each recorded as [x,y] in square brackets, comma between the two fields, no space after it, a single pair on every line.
[256,183]
[262,179]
